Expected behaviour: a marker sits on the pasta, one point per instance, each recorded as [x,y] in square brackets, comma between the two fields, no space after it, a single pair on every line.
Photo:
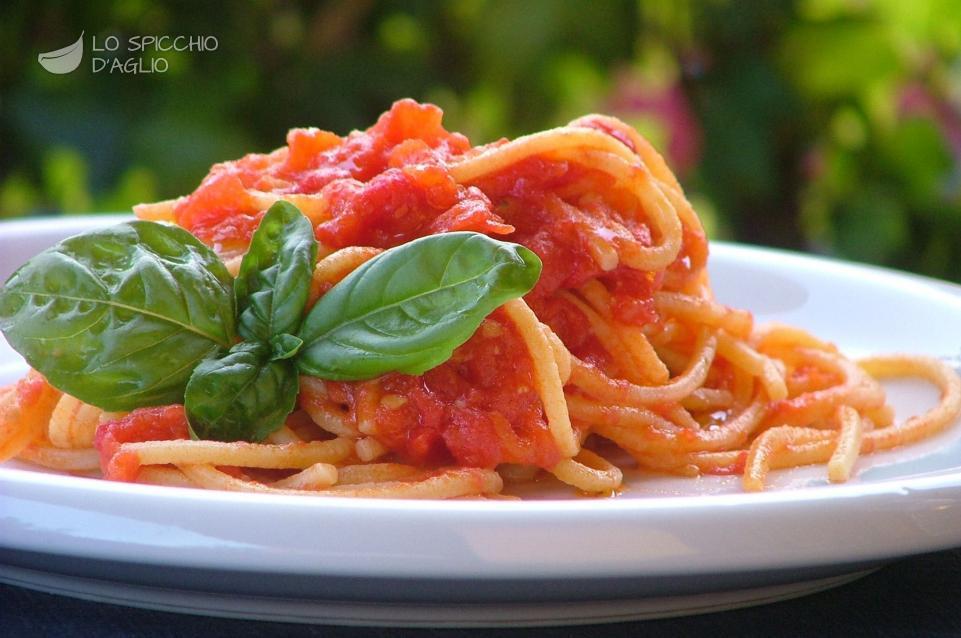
[620,344]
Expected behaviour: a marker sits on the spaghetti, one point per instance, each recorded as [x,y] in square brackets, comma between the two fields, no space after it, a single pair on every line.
[620,341]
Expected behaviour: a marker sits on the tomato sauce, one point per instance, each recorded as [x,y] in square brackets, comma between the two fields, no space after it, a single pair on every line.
[478,409]
[390,184]
[384,186]
[165,423]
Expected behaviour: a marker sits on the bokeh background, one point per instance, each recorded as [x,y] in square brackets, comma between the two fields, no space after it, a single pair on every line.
[831,126]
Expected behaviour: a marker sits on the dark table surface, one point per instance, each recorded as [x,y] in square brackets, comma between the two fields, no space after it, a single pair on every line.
[919,596]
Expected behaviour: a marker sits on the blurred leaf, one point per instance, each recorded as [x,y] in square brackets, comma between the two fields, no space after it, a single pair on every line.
[402,34]
[181,145]
[576,84]
[848,128]
[65,179]
[917,156]
[838,58]
[742,112]
[714,224]
[871,226]
[485,114]
[17,196]
[136,185]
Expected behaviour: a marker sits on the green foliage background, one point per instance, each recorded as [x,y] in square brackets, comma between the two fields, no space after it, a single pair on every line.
[827,125]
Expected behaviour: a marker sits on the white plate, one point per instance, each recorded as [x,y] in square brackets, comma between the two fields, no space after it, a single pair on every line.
[667,546]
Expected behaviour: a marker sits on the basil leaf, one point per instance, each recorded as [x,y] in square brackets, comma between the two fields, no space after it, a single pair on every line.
[119,317]
[241,395]
[409,307]
[284,346]
[275,274]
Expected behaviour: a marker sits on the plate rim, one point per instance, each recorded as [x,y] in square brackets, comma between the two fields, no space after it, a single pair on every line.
[892,493]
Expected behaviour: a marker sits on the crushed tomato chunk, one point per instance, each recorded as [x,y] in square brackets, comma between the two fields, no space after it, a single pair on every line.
[165,423]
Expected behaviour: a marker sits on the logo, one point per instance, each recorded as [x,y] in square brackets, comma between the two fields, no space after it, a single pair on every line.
[63,60]
[130,55]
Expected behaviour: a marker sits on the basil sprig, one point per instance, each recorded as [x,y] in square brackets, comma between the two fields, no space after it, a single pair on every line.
[248,392]
[144,314]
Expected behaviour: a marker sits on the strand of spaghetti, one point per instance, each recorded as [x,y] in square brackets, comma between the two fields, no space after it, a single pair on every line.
[73,423]
[848,446]
[444,484]
[314,206]
[451,483]
[509,441]
[25,413]
[66,460]
[813,452]
[517,472]
[365,406]
[334,267]
[805,376]
[674,360]
[597,384]
[742,386]
[368,449]
[603,254]
[675,464]
[636,143]
[547,378]
[701,310]
[680,416]
[283,434]
[769,443]
[594,292]
[636,430]
[880,417]
[378,473]
[562,356]
[610,341]
[285,456]
[164,475]
[695,248]
[726,462]
[497,158]
[598,413]
[650,368]
[743,356]
[857,389]
[315,477]
[704,399]
[323,412]
[209,477]
[668,330]
[932,421]
[774,337]
[157,211]
[589,472]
